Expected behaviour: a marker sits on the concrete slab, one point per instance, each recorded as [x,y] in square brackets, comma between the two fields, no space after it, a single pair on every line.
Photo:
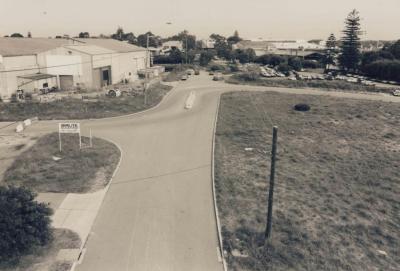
[53,199]
[68,255]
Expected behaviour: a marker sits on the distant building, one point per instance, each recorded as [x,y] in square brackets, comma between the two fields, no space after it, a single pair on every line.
[207,44]
[168,46]
[35,63]
[284,47]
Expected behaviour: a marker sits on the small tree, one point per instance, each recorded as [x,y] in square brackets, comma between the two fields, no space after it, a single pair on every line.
[24,223]
[350,47]
[29,34]
[235,38]
[206,57]
[84,35]
[119,34]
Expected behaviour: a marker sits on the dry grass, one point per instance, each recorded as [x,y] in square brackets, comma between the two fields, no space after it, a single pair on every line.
[70,108]
[44,258]
[337,185]
[77,171]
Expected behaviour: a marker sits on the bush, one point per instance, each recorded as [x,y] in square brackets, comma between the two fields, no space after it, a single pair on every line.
[248,76]
[24,223]
[295,63]
[302,107]
[310,64]
[233,68]
[283,67]
[216,67]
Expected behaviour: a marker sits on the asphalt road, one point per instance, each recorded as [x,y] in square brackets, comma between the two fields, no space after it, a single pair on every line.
[158,213]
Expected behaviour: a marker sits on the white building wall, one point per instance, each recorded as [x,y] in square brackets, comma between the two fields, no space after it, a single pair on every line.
[71,62]
[80,65]
[126,66]
[9,80]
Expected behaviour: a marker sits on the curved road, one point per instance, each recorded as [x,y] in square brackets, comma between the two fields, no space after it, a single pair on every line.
[158,213]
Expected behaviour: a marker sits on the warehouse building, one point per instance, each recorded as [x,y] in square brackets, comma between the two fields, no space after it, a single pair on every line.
[31,64]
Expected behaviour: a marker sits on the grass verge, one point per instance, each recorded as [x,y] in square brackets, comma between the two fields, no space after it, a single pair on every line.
[338,179]
[78,171]
[70,108]
[320,84]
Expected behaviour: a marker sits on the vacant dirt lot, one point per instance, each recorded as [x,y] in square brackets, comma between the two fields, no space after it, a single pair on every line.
[337,204]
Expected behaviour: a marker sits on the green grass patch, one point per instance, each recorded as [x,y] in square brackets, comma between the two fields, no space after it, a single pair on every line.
[336,85]
[78,171]
[70,108]
[337,184]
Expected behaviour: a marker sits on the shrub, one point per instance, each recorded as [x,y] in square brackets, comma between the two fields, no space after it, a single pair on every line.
[302,107]
[24,223]
[283,67]
[233,68]
[249,76]
[216,67]
[310,64]
[295,63]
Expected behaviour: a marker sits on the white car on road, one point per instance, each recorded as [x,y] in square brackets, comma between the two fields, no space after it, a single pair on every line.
[396,92]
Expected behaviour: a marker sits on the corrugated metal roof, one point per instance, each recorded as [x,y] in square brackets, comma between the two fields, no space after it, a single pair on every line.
[114,45]
[28,46]
[33,46]
[90,49]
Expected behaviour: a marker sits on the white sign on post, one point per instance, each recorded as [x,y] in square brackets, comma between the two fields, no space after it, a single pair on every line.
[69,128]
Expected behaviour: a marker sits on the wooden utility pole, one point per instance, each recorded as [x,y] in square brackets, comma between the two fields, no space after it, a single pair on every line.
[271,183]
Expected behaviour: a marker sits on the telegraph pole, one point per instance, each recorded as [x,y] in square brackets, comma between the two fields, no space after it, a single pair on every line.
[271,184]
[145,69]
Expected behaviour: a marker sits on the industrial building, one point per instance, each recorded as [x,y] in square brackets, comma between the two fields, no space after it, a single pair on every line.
[31,64]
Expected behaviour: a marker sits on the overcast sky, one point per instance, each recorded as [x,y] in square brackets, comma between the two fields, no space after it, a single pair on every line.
[275,19]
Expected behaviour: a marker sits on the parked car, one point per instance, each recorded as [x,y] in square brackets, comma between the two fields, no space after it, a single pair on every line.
[211,73]
[218,77]
[190,72]
[396,92]
[196,72]
[184,77]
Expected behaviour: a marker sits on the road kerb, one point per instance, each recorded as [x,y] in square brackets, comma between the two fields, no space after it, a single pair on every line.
[221,247]
[84,242]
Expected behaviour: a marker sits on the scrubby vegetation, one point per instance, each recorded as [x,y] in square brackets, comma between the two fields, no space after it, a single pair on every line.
[77,171]
[70,108]
[336,190]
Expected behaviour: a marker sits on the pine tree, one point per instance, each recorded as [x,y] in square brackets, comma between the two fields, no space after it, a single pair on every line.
[350,55]
[330,51]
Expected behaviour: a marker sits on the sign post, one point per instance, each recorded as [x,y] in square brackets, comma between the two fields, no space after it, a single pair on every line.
[69,128]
